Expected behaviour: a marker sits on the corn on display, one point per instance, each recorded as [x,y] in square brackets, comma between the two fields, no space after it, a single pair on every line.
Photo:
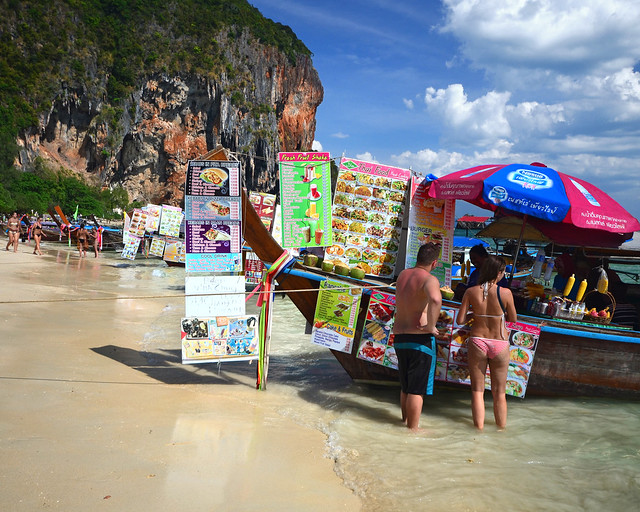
[581,289]
[569,286]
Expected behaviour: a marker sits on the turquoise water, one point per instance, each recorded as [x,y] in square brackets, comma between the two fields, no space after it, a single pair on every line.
[556,454]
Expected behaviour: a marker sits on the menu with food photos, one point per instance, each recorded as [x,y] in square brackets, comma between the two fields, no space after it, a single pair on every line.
[376,343]
[305,198]
[170,221]
[213,210]
[452,364]
[157,246]
[153,217]
[334,322]
[213,178]
[430,220]
[265,206]
[367,216]
[218,338]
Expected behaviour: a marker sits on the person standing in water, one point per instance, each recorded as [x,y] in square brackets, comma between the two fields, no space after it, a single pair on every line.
[418,302]
[83,236]
[13,225]
[95,234]
[37,235]
[488,342]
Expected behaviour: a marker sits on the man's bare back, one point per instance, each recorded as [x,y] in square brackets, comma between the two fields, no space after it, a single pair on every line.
[418,302]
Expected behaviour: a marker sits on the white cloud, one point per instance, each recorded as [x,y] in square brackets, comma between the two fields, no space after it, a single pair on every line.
[340,135]
[367,157]
[316,146]
[408,103]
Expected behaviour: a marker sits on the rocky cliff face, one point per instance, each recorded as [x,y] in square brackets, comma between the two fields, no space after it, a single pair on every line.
[263,105]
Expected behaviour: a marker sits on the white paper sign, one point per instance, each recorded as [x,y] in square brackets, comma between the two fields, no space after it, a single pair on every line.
[209,296]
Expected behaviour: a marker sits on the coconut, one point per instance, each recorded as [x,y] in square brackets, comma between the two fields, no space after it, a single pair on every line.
[327,266]
[310,260]
[341,270]
[357,273]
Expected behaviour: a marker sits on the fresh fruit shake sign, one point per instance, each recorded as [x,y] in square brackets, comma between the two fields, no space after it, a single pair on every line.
[376,344]
[334,321]
[305,197]
[430,220]
[368,210]
[213,230]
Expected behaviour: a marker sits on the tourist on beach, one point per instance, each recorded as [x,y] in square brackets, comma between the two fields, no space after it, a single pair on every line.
[83,236]
[95,234]
[37,235]
[418,302]
[488,341]
[13,225]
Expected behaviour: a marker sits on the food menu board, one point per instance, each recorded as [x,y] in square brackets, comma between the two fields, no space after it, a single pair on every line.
[174,250]
[213,178]
[221,337]
[368,210]
[210,236]
[452,364]
[170,221]
[253,268]
[305,197]
[157,246]
[265,206]
[430,220]
[131,245]
[334,321]
[376,344]
[153,217]
[211,207]
[138,223]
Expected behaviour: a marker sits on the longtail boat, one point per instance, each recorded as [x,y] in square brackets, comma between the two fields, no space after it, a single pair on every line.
[572,359]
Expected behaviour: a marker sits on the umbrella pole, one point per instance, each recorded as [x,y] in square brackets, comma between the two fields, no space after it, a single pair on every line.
[515,256]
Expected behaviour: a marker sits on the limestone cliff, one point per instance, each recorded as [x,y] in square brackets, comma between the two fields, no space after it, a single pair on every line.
[265,103]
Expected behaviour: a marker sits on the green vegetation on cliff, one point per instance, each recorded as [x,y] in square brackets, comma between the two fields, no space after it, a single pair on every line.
[104,48]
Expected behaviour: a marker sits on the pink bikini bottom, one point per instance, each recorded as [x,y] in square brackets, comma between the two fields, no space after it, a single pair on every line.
[491,348]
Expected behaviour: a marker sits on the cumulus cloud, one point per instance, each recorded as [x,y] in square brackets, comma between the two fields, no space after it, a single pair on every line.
[408,103]
[316,146]
[340,135]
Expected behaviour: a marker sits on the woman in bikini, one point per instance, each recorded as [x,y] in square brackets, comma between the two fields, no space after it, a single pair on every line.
[37,235]
[83,236]
[488,342]
[13,226]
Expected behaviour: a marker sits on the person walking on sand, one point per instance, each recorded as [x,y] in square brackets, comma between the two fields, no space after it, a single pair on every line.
[418,302]
[95,234]
[37,235]
[13,225]
[488,343]
[83,236]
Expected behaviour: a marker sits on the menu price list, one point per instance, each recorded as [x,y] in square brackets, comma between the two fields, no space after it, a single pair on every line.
[211,207]
[213,178]
[212,237]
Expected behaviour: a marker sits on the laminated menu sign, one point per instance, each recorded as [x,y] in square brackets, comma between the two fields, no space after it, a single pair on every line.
[153,217]
[430,220]
[253,268]
[231,262]
[174,250]
[157,246]
[305,197]
[219,338]
[265,207]
[376,344]
[210,236]
[368,211]
[131,245]
[213,178]
[170,221]
[211,207]
[334,322]
[138,222]
[452,364]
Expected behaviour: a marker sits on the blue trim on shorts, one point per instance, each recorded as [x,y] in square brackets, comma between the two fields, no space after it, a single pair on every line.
[431,351]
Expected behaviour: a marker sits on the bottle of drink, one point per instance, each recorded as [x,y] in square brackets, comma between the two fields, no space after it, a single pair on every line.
[549,269]
[537,266]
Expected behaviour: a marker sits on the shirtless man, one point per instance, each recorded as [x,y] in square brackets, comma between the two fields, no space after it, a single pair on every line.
[83,236]
[13,224]
[418,302]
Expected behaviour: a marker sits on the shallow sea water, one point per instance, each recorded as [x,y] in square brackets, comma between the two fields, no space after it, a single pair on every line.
[556,454]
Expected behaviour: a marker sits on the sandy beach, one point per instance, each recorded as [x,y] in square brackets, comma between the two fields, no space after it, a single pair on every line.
[91,422]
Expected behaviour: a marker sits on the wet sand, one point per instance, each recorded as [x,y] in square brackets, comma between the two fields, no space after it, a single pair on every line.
[90,423]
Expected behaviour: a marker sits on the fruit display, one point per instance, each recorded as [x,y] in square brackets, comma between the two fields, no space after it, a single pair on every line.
[447,292]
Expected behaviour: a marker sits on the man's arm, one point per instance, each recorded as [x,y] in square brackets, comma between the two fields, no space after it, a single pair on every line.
[434,303]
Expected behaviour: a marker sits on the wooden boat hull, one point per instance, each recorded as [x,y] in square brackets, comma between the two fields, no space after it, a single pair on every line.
[569,361]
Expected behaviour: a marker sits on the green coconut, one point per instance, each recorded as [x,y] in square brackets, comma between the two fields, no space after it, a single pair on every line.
[327,266]
[310,260]
[357,273]
[341,270]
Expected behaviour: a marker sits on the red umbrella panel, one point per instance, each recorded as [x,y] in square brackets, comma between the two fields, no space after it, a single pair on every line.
[540,192]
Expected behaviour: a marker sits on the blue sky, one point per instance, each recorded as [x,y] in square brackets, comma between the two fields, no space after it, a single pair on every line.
[439,86]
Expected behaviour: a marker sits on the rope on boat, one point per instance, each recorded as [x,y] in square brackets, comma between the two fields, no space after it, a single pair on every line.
[181,296]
